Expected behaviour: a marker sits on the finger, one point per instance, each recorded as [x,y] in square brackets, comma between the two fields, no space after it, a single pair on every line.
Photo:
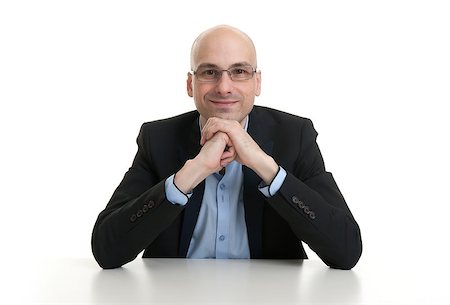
[229,152]
[212,126]
[230,149]
[226,161]
[227,155]
[207,134]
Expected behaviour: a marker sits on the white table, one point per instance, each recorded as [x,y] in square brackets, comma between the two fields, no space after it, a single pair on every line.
[182,281]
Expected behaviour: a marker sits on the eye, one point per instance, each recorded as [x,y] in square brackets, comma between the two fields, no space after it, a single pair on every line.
[210,73]
[239,71]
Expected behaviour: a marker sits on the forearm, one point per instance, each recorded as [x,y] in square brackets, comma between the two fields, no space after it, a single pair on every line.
[319,216]
[264,166]
[190,175]
[128,225]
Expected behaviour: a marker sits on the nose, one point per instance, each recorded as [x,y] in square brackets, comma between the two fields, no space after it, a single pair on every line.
[224,84]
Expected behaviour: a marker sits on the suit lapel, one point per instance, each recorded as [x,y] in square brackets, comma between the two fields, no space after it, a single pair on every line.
[189,142]
[190,218]
[189,149]
[261,130]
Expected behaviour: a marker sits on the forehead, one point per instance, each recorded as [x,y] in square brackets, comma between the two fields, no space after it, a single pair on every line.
[223,48]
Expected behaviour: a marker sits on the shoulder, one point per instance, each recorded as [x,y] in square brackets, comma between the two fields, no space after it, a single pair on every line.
[280,118]
[176,121]
[170,129]
[173,125]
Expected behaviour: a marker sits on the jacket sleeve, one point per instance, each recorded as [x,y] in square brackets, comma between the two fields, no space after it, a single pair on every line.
[136,214]
[310,201]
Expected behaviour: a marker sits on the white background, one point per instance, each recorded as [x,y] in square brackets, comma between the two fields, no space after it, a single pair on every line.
[78,78]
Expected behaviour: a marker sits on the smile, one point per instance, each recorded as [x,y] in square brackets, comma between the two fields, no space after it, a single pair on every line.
[223,102]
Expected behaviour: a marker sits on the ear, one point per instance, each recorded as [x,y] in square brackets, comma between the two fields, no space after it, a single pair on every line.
[258,83]
[189,84]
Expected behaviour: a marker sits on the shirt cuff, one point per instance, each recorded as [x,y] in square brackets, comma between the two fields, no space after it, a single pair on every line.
[173,193]
[275,185]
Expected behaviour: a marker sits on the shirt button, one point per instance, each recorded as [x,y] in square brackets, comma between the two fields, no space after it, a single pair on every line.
[221,238]
[222,187]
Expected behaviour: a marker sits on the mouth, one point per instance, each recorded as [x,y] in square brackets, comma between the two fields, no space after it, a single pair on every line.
[223,102]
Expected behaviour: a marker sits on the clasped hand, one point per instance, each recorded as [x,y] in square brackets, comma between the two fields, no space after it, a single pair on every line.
[222,142]
[225,140]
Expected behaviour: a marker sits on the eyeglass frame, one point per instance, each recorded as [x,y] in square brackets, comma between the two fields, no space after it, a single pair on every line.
[214,67]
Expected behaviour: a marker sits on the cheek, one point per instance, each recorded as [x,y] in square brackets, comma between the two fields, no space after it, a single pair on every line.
[199,91]
[250,94]
[198,95]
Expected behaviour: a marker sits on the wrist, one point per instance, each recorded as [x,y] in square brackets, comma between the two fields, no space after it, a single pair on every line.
[266,168]
[189,176]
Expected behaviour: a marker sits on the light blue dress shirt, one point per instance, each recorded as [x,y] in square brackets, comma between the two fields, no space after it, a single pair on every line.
[220,231]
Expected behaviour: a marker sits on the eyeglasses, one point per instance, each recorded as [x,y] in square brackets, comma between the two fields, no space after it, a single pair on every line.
[212,75]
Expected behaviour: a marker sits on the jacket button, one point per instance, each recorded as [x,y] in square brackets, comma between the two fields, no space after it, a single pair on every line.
[151,204]
[306,210]
[133,218]
[145,208]
[139,213]
[295,200]
[312,215]
[301,205]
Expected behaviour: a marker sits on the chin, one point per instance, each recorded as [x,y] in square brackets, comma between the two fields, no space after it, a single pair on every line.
[226,115]
[229,116]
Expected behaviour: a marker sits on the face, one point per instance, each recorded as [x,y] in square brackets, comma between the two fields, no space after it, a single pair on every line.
[222,49]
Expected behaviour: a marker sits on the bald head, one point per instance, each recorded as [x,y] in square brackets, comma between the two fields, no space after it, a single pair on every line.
[224,41]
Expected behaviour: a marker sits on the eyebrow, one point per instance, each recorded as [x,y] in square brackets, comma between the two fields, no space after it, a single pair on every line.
[240,64]
[210,65]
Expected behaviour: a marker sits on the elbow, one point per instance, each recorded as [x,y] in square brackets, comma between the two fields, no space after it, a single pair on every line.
[106,263]
[347,262]
[106,255]
[350,253]
[103,257]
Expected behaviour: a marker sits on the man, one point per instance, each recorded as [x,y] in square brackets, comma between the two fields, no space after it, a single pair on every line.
[230,180]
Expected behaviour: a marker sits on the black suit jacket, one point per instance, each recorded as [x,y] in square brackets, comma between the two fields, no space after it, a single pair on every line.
[308,207]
